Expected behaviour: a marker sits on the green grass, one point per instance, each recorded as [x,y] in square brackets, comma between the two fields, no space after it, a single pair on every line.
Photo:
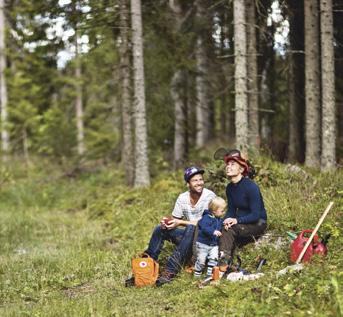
[66,244]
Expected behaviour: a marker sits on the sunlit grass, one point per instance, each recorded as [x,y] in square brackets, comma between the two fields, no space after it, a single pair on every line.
[66,245]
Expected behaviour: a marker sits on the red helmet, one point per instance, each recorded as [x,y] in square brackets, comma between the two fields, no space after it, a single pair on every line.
[232,155]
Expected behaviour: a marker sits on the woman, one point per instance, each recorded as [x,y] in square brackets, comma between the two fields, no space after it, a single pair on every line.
[246,217]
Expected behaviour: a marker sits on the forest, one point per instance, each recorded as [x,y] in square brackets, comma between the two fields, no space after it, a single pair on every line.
[104,103]
[100,80]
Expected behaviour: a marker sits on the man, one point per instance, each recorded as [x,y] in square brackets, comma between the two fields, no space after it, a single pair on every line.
[188,209]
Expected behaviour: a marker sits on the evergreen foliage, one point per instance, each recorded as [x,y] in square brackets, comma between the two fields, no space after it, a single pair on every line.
[40,80]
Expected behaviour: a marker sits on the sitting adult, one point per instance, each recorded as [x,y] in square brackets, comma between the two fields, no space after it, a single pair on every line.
[188,209]
[246,217]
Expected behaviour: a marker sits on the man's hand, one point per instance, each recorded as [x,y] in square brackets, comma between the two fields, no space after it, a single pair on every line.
[229,222]
[217,233]
[172,224]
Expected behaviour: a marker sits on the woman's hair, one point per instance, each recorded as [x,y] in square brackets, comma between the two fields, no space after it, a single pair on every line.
[217,202]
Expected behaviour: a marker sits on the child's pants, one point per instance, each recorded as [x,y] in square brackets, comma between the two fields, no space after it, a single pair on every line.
[203,252]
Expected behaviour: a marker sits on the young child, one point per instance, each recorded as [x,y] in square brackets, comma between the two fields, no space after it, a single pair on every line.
[209,226]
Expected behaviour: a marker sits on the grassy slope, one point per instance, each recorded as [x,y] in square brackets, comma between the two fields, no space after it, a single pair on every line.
[66,245]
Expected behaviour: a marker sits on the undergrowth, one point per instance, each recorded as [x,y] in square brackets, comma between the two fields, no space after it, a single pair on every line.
[66,241]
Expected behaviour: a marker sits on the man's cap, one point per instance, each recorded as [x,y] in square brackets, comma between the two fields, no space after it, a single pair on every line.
[191,171]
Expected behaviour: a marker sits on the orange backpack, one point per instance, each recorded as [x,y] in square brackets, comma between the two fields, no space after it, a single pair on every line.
[145,271]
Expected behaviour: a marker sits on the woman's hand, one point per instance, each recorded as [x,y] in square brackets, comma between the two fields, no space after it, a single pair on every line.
[217,233]
[229,222]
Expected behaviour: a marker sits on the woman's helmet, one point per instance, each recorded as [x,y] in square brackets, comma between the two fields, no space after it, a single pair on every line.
[235,155]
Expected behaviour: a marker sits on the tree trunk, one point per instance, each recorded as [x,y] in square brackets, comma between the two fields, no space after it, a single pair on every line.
[268,97]
[78,100]
[180,119]
[293,143]
[312,83]
[227,69]
[254,135]
[202,84]
[26,147]
[328,157]
[189,102]
[241,121]
[127,157]
[228,84]
[178,93]
[271,80]
[296,82]
[142,176]
[223,128]
[5,140]
[265,42]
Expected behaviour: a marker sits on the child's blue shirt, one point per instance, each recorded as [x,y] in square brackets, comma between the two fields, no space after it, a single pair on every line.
[207,225]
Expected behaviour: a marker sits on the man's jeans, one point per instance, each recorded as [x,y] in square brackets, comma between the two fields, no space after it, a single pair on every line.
[182,238]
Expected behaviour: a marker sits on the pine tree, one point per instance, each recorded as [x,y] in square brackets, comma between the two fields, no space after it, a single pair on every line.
[312,83]
[296,81]
[202,84]
[265,36]
[241,101]
[328,157]
[142,176]
[226,82]
[32,74]
[3,87]
[177,93]
[78,99]
[293,139]
[177,83]
[254,135]
[126,88]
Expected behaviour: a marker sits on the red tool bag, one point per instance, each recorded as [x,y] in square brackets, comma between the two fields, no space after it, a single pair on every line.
[316,247]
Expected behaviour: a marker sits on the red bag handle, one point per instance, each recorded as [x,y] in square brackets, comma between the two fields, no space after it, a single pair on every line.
[315,238]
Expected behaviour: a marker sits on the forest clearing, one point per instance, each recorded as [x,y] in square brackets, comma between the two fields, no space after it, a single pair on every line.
[117,114]
[66,245]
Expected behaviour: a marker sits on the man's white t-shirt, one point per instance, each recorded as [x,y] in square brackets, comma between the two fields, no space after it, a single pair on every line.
[184,210]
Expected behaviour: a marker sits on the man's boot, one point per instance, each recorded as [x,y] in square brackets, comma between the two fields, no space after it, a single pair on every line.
[166,277]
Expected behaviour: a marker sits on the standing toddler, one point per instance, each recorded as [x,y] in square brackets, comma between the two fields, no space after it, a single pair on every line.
[209,231]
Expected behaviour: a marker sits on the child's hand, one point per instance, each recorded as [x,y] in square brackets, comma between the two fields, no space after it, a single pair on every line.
[217,233]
